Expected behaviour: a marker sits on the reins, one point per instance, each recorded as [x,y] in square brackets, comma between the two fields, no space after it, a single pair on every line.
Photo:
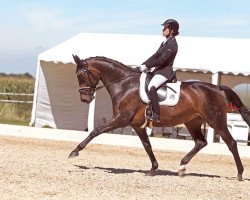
[116,81]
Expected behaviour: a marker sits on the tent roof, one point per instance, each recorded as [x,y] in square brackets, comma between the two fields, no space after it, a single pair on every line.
[195,53]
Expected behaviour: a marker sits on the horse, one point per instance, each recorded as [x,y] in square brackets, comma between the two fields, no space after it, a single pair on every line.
[199,102]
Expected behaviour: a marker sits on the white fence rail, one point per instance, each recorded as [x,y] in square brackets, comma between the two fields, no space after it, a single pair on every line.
[15,101]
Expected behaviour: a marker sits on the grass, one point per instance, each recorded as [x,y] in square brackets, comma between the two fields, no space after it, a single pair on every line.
[16,113]
[14,122]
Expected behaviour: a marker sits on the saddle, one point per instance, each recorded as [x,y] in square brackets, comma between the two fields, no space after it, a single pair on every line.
[168,93]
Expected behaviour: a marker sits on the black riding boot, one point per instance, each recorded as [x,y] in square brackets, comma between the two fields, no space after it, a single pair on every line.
[155,104]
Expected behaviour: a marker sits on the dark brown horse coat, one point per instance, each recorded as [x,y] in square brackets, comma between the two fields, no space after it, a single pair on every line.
[199,102]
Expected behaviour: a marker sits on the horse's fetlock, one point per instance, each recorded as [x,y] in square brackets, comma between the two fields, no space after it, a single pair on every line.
[184,161]
[155,165]
[79,148]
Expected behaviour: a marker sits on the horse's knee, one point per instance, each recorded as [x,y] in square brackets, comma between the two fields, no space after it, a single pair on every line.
[200,143]
[204,143]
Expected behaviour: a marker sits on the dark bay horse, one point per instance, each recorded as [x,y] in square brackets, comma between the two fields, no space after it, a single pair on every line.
[199,102]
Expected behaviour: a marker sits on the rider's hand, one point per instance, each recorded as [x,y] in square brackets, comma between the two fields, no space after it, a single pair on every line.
[143,68]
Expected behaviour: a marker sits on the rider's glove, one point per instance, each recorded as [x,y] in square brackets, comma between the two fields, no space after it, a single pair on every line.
[143,68]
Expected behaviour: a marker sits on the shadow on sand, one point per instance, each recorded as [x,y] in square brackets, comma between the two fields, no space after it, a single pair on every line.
[158,172]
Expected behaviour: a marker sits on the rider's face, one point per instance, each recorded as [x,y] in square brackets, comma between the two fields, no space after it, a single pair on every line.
[166,32]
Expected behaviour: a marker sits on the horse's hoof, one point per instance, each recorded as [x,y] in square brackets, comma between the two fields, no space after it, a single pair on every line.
[73,154]
[151,173]
[240,178]
[181,172]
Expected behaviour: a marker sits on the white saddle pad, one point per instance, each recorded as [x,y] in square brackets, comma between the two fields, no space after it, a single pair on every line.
[172,94]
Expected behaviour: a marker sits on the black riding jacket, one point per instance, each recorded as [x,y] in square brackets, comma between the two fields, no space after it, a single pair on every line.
[163,59]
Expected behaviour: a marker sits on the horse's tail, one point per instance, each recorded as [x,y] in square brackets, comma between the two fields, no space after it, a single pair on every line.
[235,99]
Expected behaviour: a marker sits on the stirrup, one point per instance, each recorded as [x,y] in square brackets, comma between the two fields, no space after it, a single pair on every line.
[150,115]
[153,117]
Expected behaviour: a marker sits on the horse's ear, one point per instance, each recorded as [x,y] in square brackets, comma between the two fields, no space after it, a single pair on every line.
[77,60]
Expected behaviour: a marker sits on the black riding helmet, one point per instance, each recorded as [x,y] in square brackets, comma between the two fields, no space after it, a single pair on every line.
[173,25]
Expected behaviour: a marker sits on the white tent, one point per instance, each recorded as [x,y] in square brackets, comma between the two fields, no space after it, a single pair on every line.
[56,99]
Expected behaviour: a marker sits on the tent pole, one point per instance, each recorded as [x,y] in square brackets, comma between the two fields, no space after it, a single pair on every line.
[91,115]
[215,78]
[33,113]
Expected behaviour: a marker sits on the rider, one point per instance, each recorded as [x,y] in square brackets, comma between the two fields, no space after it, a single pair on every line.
[162,61]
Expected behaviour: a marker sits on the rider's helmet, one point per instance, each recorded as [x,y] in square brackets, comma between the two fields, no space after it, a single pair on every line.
[173,25]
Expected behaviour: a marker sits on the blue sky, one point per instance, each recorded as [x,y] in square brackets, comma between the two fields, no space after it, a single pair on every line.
[29,27]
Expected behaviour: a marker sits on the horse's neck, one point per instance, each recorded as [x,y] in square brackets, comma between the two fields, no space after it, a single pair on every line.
[109,72]
[113,76]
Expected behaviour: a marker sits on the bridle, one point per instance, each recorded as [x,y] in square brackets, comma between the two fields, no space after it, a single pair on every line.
[87,90]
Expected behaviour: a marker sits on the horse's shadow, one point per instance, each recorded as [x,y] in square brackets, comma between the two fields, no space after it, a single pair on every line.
[159,172]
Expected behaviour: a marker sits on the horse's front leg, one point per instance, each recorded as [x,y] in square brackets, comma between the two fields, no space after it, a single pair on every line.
[147,146]
[84,143]
[116,122]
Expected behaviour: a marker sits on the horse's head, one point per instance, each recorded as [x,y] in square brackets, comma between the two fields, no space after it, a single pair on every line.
[87,81]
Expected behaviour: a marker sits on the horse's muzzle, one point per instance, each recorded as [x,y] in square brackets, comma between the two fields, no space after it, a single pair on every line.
[86,98]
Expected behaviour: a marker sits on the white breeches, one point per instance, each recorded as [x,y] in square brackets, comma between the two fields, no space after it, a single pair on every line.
[157,81]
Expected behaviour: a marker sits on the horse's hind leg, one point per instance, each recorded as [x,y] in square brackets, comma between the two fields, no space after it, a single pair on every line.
[232,145]
[194,128]
[147,146]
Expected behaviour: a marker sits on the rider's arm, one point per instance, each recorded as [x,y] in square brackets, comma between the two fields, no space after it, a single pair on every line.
[163,57]
[151,58]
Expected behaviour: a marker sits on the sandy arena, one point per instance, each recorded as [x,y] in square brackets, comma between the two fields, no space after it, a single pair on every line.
[40,169]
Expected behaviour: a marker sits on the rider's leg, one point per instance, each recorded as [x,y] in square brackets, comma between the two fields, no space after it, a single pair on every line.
[154,103]
[155,82]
